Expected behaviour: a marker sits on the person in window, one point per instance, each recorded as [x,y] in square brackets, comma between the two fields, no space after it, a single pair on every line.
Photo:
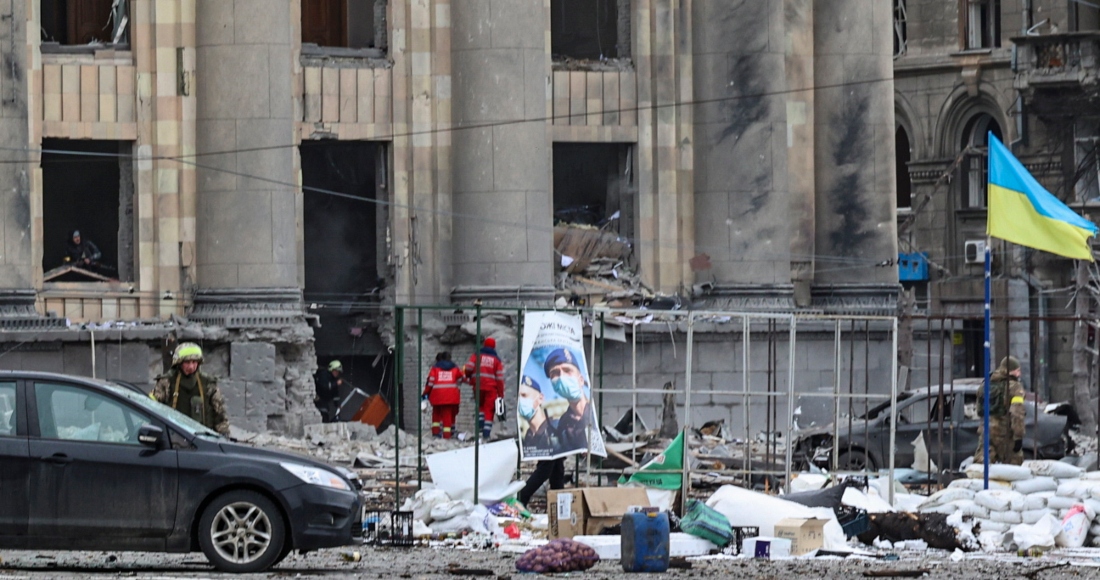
[83,253]
[328,391]
[191,392]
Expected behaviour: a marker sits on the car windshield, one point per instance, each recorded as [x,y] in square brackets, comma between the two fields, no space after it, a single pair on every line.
[877,410]
[186,423]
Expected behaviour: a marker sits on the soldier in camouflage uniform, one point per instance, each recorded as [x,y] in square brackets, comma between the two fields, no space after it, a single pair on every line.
[1006,415]
[191,392]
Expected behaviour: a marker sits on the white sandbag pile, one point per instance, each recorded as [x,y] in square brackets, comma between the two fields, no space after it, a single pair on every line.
[1040,504]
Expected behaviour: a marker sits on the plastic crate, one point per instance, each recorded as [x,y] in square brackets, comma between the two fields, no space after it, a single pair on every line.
[739,535]
[388,528]
[853,521]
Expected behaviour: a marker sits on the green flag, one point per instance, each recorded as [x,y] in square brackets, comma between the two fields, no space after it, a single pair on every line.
[672,459]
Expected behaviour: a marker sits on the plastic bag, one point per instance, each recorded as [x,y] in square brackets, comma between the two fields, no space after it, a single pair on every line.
[1051,468]
[1035,485]
[1007,516]
[425,500]
[1036,501]
[979,484]
[1059,502]
[1032,516]
[946,496]
[451,509]
[1040,535]
[1001,471]
[561,555]
[1075,528]
[997,500]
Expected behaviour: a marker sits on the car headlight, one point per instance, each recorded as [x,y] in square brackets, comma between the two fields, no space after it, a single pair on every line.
[316,476]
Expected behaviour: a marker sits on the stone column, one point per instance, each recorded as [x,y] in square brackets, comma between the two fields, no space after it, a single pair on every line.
[854,133]
[16,256]
[245,226]
[503,244]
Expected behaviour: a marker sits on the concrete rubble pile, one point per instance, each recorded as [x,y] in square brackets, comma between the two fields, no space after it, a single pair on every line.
[355,445]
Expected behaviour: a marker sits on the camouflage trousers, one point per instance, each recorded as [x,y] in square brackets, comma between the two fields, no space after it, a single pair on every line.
[1001,442]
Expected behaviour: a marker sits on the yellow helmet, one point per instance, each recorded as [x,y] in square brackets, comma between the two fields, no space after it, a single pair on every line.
[186,351]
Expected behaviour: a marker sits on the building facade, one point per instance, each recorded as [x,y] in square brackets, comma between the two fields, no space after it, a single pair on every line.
[271,177]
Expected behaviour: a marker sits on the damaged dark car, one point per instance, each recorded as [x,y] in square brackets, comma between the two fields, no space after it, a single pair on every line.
[948,426]
[92,465]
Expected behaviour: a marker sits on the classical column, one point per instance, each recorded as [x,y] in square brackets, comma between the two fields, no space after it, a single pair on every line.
[502,223]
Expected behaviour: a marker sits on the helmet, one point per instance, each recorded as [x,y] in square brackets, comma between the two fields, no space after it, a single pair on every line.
[335,366]
[186,351]
[1010,363]
[490,342]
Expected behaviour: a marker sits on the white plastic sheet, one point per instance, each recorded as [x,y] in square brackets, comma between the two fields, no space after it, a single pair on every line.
[749,508]
[453,472]
[1041,534]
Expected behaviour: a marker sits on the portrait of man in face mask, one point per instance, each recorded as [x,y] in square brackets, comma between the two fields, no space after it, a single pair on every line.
[569,381]
[538,430]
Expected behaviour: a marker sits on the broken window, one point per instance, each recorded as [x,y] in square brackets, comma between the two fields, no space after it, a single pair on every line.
[355,24]
[84,22]
[1087,163]
[983,23]
[903,154]
[594,193]
[974,163]
[901,33]
[87,187]
[342,183]
[590,29]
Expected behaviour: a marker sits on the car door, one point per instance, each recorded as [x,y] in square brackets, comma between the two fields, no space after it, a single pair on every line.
[13,457]
[90,476]
[921,415]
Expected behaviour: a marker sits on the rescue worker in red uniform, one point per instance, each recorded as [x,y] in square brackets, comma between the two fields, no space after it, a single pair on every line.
[442,392]
[489,385]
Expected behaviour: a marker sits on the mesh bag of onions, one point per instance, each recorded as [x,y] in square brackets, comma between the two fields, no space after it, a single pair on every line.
[561,555]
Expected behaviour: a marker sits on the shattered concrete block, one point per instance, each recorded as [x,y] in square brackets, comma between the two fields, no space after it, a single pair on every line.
[252,361]
[234,393]
[268,398]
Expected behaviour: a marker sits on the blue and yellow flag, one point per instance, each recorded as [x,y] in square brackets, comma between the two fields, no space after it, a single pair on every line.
[1022,212]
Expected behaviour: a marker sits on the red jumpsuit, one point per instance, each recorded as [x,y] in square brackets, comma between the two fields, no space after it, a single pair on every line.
[442,392]
[492,384]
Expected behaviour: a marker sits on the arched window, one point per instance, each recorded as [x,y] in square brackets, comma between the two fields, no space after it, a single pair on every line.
[974,164]
[903,153]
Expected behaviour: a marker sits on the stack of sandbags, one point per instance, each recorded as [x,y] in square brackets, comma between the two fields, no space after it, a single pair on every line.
[1023,502]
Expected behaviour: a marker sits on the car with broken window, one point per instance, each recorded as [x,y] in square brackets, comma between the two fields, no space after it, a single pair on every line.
[87,464]
[946,420]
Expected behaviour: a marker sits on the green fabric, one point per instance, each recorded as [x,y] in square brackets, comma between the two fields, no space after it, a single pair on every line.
[707,523]
[672,459]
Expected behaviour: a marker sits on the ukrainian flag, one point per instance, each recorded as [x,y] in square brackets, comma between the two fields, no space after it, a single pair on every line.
[1022,212]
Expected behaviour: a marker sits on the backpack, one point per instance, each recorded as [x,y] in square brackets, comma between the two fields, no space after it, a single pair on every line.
[998,399]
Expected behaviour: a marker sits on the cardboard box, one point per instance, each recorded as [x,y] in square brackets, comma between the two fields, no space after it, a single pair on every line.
[766,547]
[806,535]
[588,510]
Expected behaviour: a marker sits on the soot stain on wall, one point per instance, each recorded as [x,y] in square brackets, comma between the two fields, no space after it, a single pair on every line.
[851,149]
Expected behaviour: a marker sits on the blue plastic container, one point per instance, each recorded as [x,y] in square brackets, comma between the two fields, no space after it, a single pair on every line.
[645,543]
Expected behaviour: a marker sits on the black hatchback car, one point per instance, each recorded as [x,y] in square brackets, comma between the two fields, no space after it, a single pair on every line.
[91,465]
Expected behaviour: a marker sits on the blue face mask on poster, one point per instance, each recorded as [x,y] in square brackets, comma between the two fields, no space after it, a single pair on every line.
[568,387]
[526,408]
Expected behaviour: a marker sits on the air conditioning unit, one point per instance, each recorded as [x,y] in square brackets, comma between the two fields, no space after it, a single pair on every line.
[974,251]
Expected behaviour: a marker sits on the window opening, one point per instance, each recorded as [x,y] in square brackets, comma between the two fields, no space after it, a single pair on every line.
[901,33]
[974,164]
[903,154]
[84,22]
[590,29]
[354,24]
[983,23]
[8,417]
[1087,163]
[76,414]
[89,190]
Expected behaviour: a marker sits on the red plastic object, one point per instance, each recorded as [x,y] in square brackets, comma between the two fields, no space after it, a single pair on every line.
[512,531]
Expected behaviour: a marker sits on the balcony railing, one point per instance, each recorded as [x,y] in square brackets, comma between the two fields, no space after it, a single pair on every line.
[1069,58]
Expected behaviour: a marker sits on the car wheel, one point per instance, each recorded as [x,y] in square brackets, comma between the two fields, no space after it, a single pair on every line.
[855,460]
[242,531]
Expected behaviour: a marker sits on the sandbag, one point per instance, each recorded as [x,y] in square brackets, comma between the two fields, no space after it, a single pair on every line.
[1007,516]
[744,507]
[1075,528]
[1093,505]
[451,509]
[1091,476]
[992,526]
[1051,468]
[996,500]
[1000,471]
[1059,502]
[425,500]
[1040,535]
[979,484]
[945,509]
[1032,516]
[1036,501]
[1035,485]
[1077,488]
[967,507]
[946,496]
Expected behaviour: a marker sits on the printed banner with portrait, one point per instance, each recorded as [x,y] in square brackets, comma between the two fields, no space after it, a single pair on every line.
[556,413]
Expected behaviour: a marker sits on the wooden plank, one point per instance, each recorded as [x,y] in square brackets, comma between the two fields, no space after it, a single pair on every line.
[330,95]
[348,101]
[577,93]
[594,98]
[611,98]
[312,107]
[364,95]
[108,102]
[561,97]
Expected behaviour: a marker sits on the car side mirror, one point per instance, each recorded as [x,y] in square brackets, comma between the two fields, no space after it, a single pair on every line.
[150,435]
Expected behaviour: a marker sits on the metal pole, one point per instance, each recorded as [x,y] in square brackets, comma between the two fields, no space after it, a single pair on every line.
[477,402]
[519,377]
[91,332]
[893,407]
[792,342]
[603,337]
[633,388]
[985,390]
[399,377]
[745,344]
[836,393]
[419,413]
[685,464]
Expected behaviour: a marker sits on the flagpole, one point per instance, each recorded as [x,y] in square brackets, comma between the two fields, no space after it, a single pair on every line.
[985,403]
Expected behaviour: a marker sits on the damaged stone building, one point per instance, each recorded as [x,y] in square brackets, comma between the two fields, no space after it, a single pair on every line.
[1027,73]
[272,177]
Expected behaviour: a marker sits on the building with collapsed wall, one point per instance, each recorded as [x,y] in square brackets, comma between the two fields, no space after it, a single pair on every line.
[271,177]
